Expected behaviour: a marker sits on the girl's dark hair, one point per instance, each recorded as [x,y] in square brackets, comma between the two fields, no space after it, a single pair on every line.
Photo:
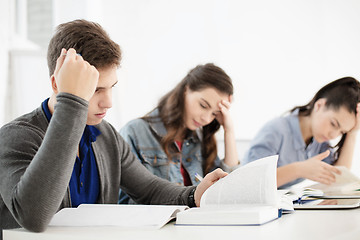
[171,110]
[344,92]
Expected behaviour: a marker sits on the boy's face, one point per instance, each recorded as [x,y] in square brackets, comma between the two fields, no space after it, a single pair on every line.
[101,101]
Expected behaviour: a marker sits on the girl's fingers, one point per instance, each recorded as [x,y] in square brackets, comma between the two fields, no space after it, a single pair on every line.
[224,105]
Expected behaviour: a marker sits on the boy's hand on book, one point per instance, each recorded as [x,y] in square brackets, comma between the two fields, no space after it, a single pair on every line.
[208,180]
[317,170]
[75,75]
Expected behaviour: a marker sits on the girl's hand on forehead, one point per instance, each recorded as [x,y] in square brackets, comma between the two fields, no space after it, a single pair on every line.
[224,117]
[357,124]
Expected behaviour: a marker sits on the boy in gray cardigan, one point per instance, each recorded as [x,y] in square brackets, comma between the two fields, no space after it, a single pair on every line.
[43,152]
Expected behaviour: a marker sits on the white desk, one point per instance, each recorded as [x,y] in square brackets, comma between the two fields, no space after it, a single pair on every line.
[303,224]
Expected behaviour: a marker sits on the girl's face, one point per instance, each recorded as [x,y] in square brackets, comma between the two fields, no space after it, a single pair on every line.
[328,123]
[201,107]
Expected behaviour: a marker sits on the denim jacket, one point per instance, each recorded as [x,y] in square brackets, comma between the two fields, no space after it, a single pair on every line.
[144,140]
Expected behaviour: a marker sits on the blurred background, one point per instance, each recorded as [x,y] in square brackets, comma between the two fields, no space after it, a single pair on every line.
[278,53]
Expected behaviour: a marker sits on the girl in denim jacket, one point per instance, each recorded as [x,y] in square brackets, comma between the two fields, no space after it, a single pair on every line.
[176,140]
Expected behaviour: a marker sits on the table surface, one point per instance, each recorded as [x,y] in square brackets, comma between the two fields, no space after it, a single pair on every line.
[302,224]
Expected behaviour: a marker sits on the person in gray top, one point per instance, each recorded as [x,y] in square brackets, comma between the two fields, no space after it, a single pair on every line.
[39,151]
[312,139]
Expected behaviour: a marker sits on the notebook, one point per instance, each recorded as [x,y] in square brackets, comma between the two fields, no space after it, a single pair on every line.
[327,204]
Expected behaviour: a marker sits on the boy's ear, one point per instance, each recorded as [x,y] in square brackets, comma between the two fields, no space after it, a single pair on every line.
[53,84]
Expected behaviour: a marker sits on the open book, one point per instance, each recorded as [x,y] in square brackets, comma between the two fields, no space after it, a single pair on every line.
[346,183]
[343,194]
[127,216]
[247,196]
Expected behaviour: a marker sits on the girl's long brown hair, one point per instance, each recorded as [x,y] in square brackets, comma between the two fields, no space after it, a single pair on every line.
[344,92]
[171,110]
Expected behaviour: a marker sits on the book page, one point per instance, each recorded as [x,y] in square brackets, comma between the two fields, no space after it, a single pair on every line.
[254,183]
[127,216]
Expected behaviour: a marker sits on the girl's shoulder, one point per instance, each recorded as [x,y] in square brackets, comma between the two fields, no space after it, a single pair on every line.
[135,125]
[279,124]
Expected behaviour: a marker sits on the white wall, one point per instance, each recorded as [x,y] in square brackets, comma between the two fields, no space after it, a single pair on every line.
[278,53]
[24,76]
[67,10]
[26,93]
[4,42]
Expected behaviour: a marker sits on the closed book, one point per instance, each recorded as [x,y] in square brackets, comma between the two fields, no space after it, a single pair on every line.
[231,216]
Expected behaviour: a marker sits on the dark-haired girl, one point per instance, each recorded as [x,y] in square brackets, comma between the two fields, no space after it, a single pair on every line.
[301,139]
[176,140]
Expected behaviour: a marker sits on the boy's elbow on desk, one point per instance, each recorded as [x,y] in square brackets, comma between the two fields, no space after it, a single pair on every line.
[34,225]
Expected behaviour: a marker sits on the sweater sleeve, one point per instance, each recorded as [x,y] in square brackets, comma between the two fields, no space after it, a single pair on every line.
[35,169]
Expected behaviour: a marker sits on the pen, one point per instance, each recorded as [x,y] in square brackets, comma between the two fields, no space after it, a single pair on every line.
[198,177]
[300,201]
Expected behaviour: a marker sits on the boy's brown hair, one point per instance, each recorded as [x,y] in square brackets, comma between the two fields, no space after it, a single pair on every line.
[88,39]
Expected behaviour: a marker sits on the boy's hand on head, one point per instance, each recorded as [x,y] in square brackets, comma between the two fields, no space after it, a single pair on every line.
[75,75]
[208,180]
